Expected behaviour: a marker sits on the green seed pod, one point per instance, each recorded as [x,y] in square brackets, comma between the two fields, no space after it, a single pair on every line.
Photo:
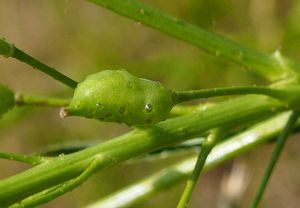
[118,96]
[7,99]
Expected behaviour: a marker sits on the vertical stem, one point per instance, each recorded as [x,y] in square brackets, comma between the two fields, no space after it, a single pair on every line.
[274,158]
[206,147]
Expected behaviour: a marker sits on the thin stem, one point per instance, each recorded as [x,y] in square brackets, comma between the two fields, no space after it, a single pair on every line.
[224,91]
[21,205]
[54,192]
[33,160]
[274,158]
[271,67]
[206,148]
[22,99]
[10,50]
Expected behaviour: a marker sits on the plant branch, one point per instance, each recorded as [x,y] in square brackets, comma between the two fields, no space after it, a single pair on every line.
[206,148]
[48,195]
[183,96]
[22,99]
[274,158]
[33,160]
[10,50]
[137,142]
[68,148]
[23,205]
[272,67]
[179,172]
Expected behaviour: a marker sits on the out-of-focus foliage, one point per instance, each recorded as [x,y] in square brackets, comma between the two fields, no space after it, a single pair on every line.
[80,38]
[7,99]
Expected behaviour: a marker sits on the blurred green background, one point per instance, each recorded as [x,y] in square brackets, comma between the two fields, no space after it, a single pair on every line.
[80,38]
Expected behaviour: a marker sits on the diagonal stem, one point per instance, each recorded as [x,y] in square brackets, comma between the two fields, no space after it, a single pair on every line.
[206,148]
[272,67]
[274,158]
[182,96]
[58,190]
[33,160]
[10,50]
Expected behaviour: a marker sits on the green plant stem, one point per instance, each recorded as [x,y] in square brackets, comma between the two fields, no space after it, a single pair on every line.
[272,67]
[206,148]
[137,142]
[33,160]
[275,155]
[30,201]
[179,172]
[179,110]
[22,99]
[59,190]
[224,91]
[9,50]
[68,148]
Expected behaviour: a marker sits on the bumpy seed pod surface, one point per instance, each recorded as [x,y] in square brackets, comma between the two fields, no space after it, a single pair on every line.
[118,96]
[7,100]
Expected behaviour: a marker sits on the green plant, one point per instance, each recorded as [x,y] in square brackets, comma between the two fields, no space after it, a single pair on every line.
[118,96]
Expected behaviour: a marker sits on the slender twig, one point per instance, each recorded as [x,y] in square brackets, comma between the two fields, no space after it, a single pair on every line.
[59,190]
[10,50]
[206,148]
[182,96]
[33,160]
[272,67]
[22,99]
[274,158]
[45,192]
